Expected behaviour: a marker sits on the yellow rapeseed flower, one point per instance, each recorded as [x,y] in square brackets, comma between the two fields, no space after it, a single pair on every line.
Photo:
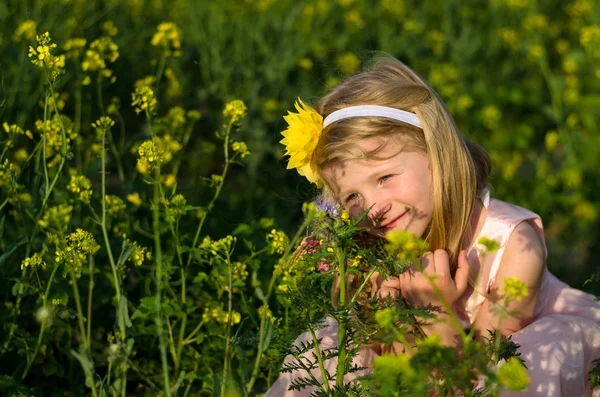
[513,375]
[235,110]
[134,198]
[25,31]
[168,36]
[150,154]
[278,241]
[33,262]
[348,63]
[241,148]
[514,289]
[82,187]
[143,99]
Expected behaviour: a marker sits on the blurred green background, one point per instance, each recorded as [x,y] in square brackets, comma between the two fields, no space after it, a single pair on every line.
[521,77]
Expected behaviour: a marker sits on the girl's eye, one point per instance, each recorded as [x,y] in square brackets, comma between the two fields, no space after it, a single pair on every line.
[385,178]
[351,197]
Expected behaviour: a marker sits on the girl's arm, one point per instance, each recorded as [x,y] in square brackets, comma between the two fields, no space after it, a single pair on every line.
[524,258]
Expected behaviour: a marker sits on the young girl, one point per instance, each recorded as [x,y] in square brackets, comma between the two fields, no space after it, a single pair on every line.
[384,140]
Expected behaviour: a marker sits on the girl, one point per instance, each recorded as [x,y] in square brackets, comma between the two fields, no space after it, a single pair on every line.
[384,140]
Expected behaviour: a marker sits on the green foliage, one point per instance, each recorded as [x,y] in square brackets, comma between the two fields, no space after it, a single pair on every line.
[138,156]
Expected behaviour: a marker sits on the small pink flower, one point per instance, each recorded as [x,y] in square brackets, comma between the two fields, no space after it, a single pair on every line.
[322,266]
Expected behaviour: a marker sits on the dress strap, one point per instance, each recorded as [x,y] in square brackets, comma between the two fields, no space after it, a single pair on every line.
[485,196]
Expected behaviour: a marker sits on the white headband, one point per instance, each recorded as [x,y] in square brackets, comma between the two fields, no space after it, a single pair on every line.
[373,110]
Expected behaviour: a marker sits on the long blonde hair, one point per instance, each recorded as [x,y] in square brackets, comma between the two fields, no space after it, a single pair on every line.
[459,168]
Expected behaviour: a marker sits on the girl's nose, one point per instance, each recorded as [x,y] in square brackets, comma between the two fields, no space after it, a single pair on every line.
[378,209]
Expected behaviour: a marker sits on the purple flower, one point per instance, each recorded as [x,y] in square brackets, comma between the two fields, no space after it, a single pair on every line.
[331,209]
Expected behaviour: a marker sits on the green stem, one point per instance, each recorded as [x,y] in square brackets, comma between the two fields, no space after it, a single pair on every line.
[82,329]
[263,316]
[89,301]
[320,359]
[43,327]
[228,333]
[159,269]
[339,381]
[215,196]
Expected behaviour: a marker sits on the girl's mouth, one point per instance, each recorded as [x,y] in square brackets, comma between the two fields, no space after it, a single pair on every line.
[394,222]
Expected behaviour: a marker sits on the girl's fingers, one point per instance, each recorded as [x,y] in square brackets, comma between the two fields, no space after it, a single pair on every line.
[428,263]
[442,263]
[384,292]
[462,272]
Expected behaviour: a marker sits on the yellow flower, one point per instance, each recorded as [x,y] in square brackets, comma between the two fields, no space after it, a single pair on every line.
[114,204]
[34,262]
[514,289]
[168,36]
[348,63]
[305,63]
[241,148]
[170,180]
[143,99]
[300,139]
[278,241]
[26,30]
[82,187]
[150,154]
[513,375]
[235,109]
[551,140]
[134,198]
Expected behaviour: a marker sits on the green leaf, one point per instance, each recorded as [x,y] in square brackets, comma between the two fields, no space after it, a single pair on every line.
[147,308]
[87,365]
[268,335]
[123,314]
[11,248]
[260,295]
[216,386]
[242,228]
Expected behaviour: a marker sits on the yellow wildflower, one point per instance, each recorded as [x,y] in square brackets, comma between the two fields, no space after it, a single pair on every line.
[33,262]
[168,36]
[150,154]
[79,245]
[278,241]
[305,63]
[103,123]
[241,148]
[74,47]
[406,245]
[514,289]
[590,39]
[170,180]
[109,28]
[348,63]
[82,187]
[134,198]
[25,30]
[139,254]
[114,205]
[42,56]
[143,99]
[235,110]
[513,375]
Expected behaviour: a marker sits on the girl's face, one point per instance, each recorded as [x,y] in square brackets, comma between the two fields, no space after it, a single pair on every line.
[396,186]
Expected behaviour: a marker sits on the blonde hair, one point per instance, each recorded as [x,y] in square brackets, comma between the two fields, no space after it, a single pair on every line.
[459,168]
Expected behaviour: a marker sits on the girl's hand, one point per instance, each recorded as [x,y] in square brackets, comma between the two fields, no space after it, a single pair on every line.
[418,286]
[382,287]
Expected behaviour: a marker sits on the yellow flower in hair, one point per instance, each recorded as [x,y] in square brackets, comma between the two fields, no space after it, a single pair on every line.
[300,139]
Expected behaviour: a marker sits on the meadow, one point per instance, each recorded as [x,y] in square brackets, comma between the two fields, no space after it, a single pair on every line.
[147,219]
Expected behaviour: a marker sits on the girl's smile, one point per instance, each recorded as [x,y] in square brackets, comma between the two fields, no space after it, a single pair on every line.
[394,185]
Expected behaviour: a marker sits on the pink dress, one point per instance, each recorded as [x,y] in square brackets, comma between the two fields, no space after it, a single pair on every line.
[558,347]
